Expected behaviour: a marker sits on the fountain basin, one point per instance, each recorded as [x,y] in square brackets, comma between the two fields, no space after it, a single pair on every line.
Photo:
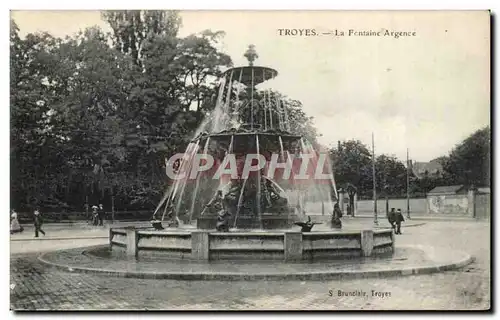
[266,222]
[289,246]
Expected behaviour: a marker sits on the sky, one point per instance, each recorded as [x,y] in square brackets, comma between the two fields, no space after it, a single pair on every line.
[425,92]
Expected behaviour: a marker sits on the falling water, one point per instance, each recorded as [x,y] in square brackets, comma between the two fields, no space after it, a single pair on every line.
[265,110]
[190,148]
[197,184]
[209,122]
[171,190]
[184,181]
[281,149]
[240,200]
[163,199]
[228,151]
[319,190]
[259,187]
[270,111]
[330,172]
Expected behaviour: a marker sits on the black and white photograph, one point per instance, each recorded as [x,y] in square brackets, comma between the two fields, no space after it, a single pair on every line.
[178,160]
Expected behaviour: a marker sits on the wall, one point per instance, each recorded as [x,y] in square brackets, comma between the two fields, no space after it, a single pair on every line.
[417,206]
[483,206]
[454,205]
[448,204]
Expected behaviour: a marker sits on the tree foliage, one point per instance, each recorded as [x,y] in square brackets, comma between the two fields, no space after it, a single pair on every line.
[469,162]
[89,120]
[96,114]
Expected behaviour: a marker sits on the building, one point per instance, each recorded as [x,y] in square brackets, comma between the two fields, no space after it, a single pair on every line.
[432,167]
[447,190]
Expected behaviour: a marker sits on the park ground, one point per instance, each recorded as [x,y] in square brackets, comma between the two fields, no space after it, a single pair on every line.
[37,287]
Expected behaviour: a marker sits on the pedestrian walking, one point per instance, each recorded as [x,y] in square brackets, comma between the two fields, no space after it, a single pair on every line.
[101,213]
[399,219]
[14,223]
[38,223]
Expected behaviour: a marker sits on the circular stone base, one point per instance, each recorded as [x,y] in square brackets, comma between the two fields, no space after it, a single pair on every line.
[405,261]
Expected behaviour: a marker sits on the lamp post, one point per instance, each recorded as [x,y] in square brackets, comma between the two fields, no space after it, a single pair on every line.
[408,168]
[386,191]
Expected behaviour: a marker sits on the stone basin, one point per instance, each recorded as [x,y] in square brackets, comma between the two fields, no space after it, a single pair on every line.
[278,245]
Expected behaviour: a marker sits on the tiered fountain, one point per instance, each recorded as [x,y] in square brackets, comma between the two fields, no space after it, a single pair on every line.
[262,207]
[259,240]
[246,121]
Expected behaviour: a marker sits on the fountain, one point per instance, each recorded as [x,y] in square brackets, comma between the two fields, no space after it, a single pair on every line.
[226,217]
[244,184]
[246,121]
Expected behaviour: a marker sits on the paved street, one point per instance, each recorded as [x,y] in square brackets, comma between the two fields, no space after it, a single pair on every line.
[34,286]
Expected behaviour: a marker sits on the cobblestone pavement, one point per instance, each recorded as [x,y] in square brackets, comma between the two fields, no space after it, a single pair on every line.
[34,286]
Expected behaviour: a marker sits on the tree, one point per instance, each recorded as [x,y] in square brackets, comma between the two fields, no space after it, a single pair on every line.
[390,175]
[352,164]
[91,119]
[34,164]
[202,66]
[132,27]
[299,121]
[469,162]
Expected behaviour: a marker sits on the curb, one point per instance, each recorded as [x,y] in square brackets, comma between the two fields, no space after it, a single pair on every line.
[223,276]
[70,238]
[426,218]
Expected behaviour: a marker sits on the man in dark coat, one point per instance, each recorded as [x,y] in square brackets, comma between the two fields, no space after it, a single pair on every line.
[399,219]
[38,223]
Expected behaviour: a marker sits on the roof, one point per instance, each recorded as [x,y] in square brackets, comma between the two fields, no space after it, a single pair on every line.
[446,190]
[431,167]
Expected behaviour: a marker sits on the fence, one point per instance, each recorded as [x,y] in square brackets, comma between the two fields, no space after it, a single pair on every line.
[417,206]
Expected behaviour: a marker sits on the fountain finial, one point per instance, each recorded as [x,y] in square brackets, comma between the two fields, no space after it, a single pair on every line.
[251,54]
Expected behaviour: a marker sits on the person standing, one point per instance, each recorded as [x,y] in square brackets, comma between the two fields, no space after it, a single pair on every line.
[337,214]
[399,219]
[38,223]
[14,223]
[95,216]
[101,213]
